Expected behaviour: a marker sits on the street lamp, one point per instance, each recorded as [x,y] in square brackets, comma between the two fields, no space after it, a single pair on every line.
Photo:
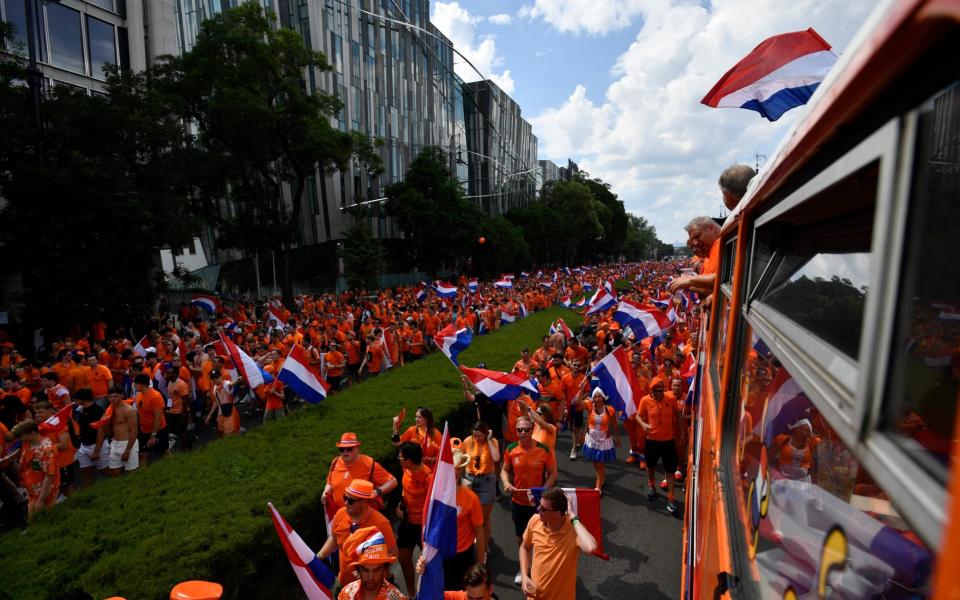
[34,74]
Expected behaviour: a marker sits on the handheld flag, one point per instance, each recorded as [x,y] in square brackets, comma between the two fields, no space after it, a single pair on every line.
[618,381]
[561,325]
[506,316]
[274,315]
[643,321]
[779,74]
[57,422]
[585,503]
[503,284]
[421,293]
[247,367]
[388,347]
[473,286]
[498,386]
[565,301]
[439,522]
[314,575]
[141,348]
[601,301]
[445,290]
[296,373]
[206,302]
[523,310]
[453,341]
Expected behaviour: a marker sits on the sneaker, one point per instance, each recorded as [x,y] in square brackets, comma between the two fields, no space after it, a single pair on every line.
[573,453]
[652,494]
[518,579]
[632,458]
[663,484]
[672,507]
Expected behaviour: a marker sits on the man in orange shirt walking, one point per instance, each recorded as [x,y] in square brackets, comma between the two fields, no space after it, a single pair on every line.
[657,414]
[154,438]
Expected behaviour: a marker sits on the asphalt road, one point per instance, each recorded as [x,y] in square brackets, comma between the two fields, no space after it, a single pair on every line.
[642,538]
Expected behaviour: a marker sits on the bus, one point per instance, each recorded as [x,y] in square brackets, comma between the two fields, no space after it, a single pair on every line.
[824,446]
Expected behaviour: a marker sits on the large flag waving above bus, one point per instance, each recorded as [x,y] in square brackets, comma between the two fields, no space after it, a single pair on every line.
[779,74]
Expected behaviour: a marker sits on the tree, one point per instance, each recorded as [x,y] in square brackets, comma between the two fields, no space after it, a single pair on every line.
[431,210]
[610,213]
[640,239]
[578,229]
[504,250]
[242,84]
[362,254]
[91,198]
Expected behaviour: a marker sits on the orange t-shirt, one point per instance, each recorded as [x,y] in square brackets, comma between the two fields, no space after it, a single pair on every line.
[469,517]
[100,379]
[529,466]
[375,362]
[147,402]
[416,343]
[712,263]
[659,415]
[364,467]
[353,352]
[78,377]
[341,531]
[415,487]
[179,392]
[430,445]
[334,358]
[579,354]
[481,463]
[555,556]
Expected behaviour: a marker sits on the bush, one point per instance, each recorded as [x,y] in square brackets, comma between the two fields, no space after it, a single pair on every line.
[203,515]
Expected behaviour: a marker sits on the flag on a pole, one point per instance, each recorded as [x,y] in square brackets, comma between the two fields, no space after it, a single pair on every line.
[445,290]
[247,367]
[779,74]
[523,310]
[314,575]
[296,373]
[274,315]
[473,285]
[206,302]
[57,422]
[439,522]
[618,381]
[506,316]
[499,386]
[141,348]
[503,284]
[601,301]
[561,326]
[585,503]
[452,341]
[642,321]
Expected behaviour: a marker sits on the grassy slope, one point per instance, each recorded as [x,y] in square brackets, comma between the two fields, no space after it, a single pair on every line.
[202,515]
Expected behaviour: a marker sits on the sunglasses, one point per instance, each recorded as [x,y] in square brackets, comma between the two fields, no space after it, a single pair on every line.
[524,429]
[351,501]
[345,450]
[541,509]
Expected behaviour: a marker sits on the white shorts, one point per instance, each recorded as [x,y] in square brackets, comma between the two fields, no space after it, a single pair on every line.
[83,457]
[117,447]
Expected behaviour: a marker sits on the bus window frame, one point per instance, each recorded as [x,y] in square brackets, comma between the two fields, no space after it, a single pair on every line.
[825,371]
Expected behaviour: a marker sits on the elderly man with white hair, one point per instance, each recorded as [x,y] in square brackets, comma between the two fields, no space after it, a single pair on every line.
[704,240]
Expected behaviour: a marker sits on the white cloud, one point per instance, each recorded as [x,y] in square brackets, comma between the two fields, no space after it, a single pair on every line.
[595,17]
[460,26]
[650,138]
[501,19]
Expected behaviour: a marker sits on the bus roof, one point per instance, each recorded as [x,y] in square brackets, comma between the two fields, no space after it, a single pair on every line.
[885,46]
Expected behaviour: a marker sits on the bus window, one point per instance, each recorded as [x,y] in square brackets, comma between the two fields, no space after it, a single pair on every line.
[819,274]
[813,519]
[721,340]
[926,354]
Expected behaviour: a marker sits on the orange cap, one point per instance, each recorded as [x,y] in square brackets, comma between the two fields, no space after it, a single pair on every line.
[196,590]
[348,440]
[360,488]
[370,548]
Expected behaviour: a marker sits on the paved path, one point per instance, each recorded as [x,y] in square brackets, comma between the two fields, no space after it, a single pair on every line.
[641,537]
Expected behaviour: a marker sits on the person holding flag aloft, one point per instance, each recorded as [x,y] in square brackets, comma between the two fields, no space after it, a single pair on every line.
[603,435]
[550,549]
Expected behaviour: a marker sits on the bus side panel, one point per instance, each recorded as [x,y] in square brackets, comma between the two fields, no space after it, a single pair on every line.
[946,575]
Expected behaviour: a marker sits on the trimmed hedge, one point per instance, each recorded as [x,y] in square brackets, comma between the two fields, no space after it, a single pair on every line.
[203,515]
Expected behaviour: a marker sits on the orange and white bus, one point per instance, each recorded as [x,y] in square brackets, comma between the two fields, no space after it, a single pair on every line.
[824,455]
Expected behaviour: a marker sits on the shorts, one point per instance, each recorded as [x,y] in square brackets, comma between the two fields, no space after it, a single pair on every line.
[334,381]
[160,447]
[521,516]
[66,476]
[409,535]
[484,486]
[656,450]
[455,567]
[116,453]
[83,457]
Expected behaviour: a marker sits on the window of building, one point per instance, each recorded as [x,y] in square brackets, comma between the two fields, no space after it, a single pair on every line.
[925,373]
[102,46]
[801,493]
[66,37]
[15,15]
[110,5]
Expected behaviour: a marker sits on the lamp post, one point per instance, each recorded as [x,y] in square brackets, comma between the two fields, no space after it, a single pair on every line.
[34,74]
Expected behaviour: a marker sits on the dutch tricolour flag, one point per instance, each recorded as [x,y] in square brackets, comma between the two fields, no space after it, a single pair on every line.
[274,319]
[600,302]
[453,341]
[523,310]
[473,285]
[787,405]
[779,74]
[503,283]
[499,386]
[506,316]
[643,322]
[421,293]
[296,373]
[141,348]
[439,522]
[248,367]
[585,503]
[565,301]
[618,381]
[314,575]
[445,290]
[561,325]
[206,302]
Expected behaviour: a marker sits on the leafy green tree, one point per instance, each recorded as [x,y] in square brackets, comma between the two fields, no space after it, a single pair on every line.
[429,205]
[612,217]
[505,249]
[538,222]
[91,198]
[577,230]
[362,254]
[242,85]
[640,239]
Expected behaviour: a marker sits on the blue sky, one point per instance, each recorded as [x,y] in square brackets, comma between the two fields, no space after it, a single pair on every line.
[615,85]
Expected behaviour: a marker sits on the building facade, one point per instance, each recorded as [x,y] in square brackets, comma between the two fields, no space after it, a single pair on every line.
[502,163]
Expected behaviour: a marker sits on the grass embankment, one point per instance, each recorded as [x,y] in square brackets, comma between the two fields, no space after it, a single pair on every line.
[203,515]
